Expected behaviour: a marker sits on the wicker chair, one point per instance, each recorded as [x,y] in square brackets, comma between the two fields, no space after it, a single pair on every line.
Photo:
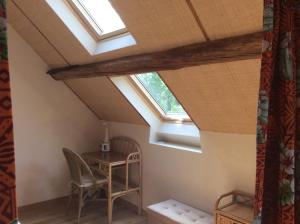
[83,180]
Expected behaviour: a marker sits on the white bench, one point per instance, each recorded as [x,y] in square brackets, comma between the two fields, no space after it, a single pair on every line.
[171,212]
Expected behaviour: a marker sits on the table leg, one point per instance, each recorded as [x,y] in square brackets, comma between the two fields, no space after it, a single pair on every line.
[139,197]
[109,209]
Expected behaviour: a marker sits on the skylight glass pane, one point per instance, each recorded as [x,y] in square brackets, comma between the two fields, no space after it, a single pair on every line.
[103,14]
[161,94]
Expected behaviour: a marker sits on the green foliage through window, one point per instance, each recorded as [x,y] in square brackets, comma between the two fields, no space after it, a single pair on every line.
[161,94]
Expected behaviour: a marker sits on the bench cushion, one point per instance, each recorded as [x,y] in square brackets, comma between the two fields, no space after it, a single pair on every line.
[172,211]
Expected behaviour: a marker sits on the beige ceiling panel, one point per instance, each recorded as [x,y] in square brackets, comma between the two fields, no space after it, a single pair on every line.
[226,18]
[156,25]
[159,24]
[219,97]
[105,100]
[54,30]
[25,28]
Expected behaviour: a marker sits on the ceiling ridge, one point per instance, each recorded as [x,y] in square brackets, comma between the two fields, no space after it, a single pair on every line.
[197,19]
[37,28]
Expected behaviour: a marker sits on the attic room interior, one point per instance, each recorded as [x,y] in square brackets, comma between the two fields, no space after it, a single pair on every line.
[149,111]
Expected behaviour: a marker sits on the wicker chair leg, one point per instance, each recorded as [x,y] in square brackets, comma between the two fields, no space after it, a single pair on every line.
[70,198]
[80,204]
[139,197]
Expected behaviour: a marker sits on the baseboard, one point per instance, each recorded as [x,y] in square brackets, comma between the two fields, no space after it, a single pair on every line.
[65,198]
[25,207]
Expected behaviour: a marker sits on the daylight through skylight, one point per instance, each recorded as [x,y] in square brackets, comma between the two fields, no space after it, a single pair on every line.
[161,94]
[101,15]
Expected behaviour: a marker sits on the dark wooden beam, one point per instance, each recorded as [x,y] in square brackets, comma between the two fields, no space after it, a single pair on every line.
[217,51]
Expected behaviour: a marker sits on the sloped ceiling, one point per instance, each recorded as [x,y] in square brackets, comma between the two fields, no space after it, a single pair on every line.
[219,97]
[227,18]
[102,96]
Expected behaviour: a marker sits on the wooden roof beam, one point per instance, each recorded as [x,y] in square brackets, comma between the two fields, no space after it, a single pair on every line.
[217,51]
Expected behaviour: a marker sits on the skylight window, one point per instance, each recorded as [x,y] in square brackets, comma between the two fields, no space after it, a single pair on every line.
[160,96]
[100,16]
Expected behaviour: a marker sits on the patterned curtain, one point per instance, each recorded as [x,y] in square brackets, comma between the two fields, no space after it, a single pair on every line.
[7,164]
[278,127]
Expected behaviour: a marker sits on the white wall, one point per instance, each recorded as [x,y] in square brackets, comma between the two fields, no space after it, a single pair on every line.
[47,116]
[227,163]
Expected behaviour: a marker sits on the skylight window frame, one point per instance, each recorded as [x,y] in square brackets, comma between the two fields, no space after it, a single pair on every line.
[89,22]
[153,104]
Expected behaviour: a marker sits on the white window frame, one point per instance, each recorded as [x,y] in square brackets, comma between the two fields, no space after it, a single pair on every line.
[154,105]
[92,27]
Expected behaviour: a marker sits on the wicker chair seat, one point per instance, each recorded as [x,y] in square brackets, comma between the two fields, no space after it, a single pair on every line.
[87,181]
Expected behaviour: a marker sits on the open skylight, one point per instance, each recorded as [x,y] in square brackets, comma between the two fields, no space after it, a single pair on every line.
[160,96]
[100,16]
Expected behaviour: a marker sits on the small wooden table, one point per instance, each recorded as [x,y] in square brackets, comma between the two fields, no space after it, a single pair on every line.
[104,162]
[112,158]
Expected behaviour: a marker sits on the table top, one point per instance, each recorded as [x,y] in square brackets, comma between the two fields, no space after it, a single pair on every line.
[113,158]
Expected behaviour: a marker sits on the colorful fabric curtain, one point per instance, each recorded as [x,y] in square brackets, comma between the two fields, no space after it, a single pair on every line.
[7,164]
[278,127]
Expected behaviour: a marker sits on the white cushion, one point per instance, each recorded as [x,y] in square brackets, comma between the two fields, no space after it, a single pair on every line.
[181,213]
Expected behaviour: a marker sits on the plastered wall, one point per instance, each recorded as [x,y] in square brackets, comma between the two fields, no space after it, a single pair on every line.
[47,116]
[226,163]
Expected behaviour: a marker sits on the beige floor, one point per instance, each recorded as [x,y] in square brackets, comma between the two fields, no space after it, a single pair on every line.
[53,212]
